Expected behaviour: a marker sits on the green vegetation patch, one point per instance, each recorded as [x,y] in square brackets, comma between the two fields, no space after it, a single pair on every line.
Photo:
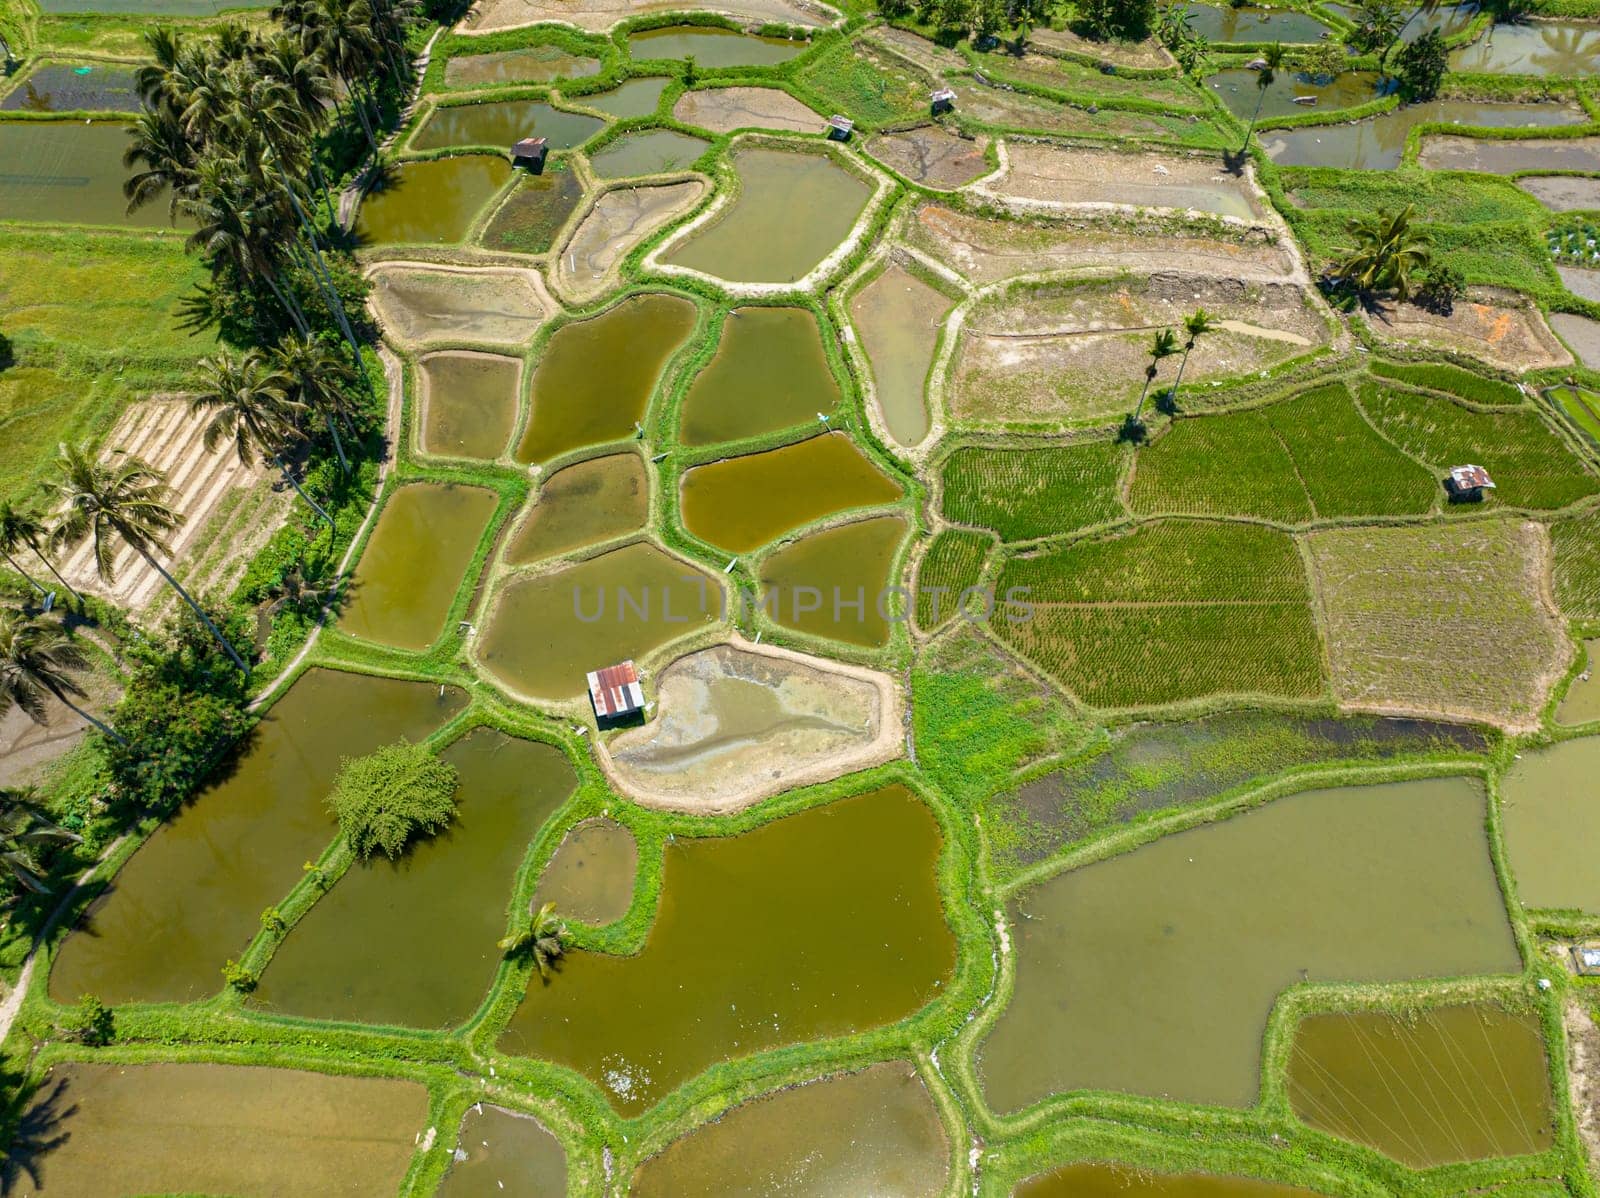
[1309,457]
[527,223]
[865,84]
[1441,196]
[1027,493]
[1577,566]
[1531,466]
[953,563]
[1452,380]
[1173,611]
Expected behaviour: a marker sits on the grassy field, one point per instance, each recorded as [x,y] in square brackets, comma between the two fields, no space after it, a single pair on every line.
[1531,466]
[1304,458]
[1027,493]
[954,562]
[1175,610]
[1577,566]
[1443,618]
[866,84]
[1452,380]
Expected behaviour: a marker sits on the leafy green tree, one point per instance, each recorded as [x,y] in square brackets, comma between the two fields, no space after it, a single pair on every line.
[1108,19]
[1442,285]
[1321,61]
[27,527]
[1423,8]
[1266,76]
[1388,256]
[91,1022]
[38,658]
[25,830]
[1421,66]
[384,799]
[543,940]
[1378,24]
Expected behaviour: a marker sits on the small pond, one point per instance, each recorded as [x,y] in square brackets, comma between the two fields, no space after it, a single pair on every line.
[1379,142]
[469,403]
[875,1133]
[546,633]
[1581,704]
[1448,19]
[150,8]
[531,64]
[710,47]
[769,372]
[791,212]
[67,171]
[835,583]
[1536,48]
[1455,1083]
[636,97]
[503,124]
[648,152]
[638,1027]
[66,87]
[898,318]
[193,894]
[1247,24]
[414,562]
[596,376]
[497,1146]
[590,879]
[432,202]
[1154,972]
[413,941]
[739,504]
[1550,809]
[1121,1181]
[217,1129]
[582,505]
[1238,91]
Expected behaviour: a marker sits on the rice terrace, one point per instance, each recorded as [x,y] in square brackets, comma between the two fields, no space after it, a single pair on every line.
[822,598]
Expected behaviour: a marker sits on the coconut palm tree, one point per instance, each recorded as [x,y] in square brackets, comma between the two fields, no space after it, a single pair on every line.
[38,658]
[1428,7]
[128,503]
[249,404]
[24,827]
[1388,254]
[1197,324]
[24,526]
[166,160]
[1266,75]
[316,374]
[544,939]
[1163,345]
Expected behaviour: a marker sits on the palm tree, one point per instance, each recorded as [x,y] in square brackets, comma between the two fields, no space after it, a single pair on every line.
[130,503]
[1388,253]
[1197,324]
[1163,345]
[316,374]
[19,527]
[1272,62]
[37,657]
[1423,6]
[25,827]
[544,940]
[166,158]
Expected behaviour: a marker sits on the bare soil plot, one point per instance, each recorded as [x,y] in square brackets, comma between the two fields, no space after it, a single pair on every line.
[1562,193]
[27,748]
[724,109]
[1447,152]
[1062,176]
[1077,352]
[1581,333]
[930,56]
[1580,281]
[1147,53]
[417,304]
[1499,327]
[987,250]
[1451,620]
[1583,1046]
[619,221]
[739,722]
[932,155]
[596,16]
[1011,110]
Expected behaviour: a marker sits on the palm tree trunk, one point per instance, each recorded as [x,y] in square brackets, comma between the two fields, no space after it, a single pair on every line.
[1183,362]
[1139,407]
[291,308]
[1261,95]
[330,295]
[24,573]
[51,566]
[105,728]
[338,444]
[300,491]
[196,608]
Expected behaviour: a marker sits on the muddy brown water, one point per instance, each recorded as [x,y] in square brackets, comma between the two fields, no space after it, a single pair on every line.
[1456,1083]
[581,505]
[596,376]
[649,152]
[1581,704]
[1562,193]
[640,1026]
[1239,91]
[1446,152]
[712,47]
[471,403]
[1244,24]
[533,64]
[1122,1181]
[742,503]
[1552,824]
[636,97]
[1569,48]
[414,563]
[769,373]
[430,203]
[503,123]
[496,1146]
[1154,972]
[413,941]
[1378,143]
[898,317]
[835,583]
[590,878]
[1581,334]
[215,1129]
[192,896]
[875,1133]
[68,171]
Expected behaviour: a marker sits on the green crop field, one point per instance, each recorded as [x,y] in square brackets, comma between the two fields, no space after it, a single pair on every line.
[1310,457]
[1531,466]
[953,563]
[1175,610]
[1441,376]
[1024,494]
[867,84]
[1577,566]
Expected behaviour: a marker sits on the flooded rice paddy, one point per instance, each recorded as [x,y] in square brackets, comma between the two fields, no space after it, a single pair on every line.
[835,583]
[596,375]
[497,1146]
[711,47]
[502,124]
[73,87]
[1290,90]
[392,598]
[1581,704]
[640,1026]
[1121,1181]
[636,97]
[1245,24]
[534,213]
[1570,48]
[590,878]
[430,203]
[1456,1083]
[216,1129]
[413,941]
[67,171]
[546,632]
[876,1133]
[418,305]
[582,505]
[1551,814]
[1378,143]
[769,373]
[469,403]
[533,64]
[1154,972]
[192,896]
[791,211]
[650,152]
[898,318]
[739,504]
[619,221]
[1446,152]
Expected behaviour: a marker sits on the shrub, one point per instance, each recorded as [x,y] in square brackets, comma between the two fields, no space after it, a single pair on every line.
[385,798]
[91,1022]
[240,977]
[1442,285]
[1421,66]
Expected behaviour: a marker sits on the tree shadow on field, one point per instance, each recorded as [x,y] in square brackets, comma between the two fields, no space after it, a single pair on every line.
[34,1122]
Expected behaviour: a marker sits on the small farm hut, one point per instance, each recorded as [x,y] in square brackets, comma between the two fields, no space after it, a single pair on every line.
[615,692]
[530,153]
[1467,484]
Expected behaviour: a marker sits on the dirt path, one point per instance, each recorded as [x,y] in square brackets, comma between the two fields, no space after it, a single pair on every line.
[1583,1047]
